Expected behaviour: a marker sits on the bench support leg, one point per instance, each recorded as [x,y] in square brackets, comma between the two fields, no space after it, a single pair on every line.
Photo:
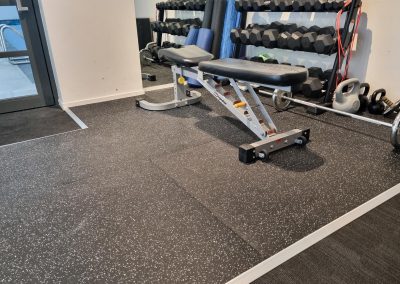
[182,96]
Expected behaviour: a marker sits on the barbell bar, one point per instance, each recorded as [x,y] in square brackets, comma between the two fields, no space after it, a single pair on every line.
[282,101]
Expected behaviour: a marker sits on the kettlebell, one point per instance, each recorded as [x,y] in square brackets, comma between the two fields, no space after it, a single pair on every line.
[377,106]
[346,96]
[364,101]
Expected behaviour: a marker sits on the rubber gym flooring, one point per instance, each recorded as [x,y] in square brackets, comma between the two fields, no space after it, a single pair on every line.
[160,197]
[30,124]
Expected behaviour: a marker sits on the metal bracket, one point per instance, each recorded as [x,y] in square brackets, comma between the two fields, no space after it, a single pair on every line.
[20,7]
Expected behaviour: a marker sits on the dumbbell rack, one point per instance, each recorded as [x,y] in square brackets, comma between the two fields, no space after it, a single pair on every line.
[347,36]
[161,18]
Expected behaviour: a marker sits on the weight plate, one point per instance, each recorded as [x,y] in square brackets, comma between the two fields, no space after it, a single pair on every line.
[280,103]
[395,132]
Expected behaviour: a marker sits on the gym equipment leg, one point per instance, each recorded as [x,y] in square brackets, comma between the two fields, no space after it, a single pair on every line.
[182,96]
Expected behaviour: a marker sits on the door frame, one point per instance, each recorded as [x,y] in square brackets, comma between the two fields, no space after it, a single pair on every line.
[37,49]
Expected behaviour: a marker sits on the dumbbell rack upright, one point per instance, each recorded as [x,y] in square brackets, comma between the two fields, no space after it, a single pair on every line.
[349,30]
[161,18]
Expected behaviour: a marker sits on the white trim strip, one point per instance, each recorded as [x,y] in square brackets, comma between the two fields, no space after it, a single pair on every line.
[305,243]
[75,118]
[160,87]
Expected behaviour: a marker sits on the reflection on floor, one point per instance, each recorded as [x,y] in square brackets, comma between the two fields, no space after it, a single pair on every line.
[16,80]
[30,124]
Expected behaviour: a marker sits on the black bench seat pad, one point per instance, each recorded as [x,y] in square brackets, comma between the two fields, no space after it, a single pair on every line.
[255,72]
[188,56]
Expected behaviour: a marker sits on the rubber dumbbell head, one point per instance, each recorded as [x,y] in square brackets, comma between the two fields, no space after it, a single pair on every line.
[328,31]
[257,59]
[283,40]
[274,5]
[245,36]
[316,72]
[256,35]
[302,29]
[298,5]
[324,44]
[312,88]
[260,5]
[271,61]
[247,5]
[308,40]
[270,38]
[294,41]
[278,26]
[239,5]
[309,5]
[337,5]
[315,29]
[285,5]
[290,28]
[319,5]
[235,35]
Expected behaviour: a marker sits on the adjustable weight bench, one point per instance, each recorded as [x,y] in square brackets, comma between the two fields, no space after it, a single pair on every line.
[193,62]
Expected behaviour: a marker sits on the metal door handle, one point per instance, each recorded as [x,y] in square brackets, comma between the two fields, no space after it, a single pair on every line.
[21,8]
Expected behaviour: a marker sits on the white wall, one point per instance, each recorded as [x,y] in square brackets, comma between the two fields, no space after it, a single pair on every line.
[378,57]
[146,9]
[94,49]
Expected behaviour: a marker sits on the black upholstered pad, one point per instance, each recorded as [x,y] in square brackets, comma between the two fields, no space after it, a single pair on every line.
[255,72]
[190,55]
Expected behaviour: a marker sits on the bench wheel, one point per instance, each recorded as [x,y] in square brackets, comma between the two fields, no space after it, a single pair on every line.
[302,141]
[280,103]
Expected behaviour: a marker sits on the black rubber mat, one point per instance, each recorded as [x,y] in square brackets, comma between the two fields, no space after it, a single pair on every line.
[365,251]
[35,123]
[160,197]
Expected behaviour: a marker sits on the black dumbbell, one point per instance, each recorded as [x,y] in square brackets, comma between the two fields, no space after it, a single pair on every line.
[312,88]
[235,35]
[309,5]
[298,5]
[155,26]
[274,5]
[256,35]
[285,63]
[328,31]
[278,26]
[270,38]
[248,5]
[308,40]
[290,28]
[329,5]
[315,29]
[164,27]
[316,72]
[200,5]
[245,36]
[260,5]
[302,29]
[239,5]
[294,41]
[283,40]
[319,5]
[324,44]
[337,5]
[285,5]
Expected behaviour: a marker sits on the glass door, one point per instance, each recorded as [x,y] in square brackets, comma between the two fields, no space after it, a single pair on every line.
[24,76]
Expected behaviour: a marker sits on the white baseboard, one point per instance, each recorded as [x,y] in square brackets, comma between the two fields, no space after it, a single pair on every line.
[106,98]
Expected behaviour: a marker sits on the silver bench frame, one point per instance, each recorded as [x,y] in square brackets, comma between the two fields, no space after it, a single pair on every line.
[261,125]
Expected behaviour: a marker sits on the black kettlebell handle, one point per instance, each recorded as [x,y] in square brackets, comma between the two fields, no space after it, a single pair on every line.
[381,92]
[366,88]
